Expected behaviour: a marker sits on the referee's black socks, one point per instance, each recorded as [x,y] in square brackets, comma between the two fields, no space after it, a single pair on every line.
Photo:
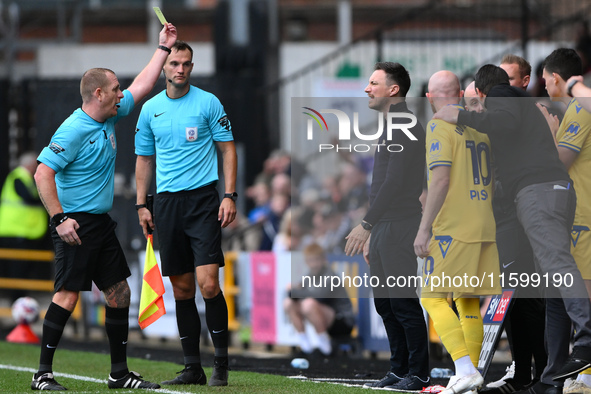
[53,328]
[117,328]
[189,325]
[216,315]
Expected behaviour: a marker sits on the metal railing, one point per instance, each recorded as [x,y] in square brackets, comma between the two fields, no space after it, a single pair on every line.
[41,285]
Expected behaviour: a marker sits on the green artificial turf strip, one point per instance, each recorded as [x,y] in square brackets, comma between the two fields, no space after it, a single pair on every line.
[96,366]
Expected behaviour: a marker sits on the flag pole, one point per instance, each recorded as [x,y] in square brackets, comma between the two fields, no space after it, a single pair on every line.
[150,207]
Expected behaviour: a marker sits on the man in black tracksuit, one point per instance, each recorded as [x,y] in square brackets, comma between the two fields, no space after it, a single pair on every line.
[525,322]
[393,220]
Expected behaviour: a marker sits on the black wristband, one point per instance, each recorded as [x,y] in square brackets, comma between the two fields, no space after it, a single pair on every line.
[139,206]
[165,49]
[58,219]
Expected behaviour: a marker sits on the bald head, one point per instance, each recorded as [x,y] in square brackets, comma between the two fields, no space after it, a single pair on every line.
[444,84]
[444,88]
[472,99]
[470,90]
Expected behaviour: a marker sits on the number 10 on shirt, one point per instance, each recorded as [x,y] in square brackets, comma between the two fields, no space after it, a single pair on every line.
[480,168]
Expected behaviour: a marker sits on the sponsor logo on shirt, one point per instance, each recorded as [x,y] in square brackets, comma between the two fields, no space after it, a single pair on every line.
[435,148]
[572,129]
[55,148]
[225,123]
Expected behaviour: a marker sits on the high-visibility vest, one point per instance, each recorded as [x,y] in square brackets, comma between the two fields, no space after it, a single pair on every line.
[17,219]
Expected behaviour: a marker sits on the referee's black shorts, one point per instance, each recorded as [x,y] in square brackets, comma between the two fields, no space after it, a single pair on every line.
[189,231]
[98,259]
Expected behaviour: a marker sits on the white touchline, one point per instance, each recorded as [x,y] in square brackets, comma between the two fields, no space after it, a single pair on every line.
[65,375]
[335,381]
[77,377]
[300,377]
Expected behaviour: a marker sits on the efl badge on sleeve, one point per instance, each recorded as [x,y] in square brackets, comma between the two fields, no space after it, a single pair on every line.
[191,133]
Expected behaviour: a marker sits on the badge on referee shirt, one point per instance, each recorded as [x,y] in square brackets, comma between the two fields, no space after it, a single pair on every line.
[191,133]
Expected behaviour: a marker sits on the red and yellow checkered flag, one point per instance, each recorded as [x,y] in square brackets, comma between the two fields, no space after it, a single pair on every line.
[151,301]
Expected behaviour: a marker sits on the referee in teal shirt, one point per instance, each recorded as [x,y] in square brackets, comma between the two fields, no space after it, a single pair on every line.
[182,126]
[75,179]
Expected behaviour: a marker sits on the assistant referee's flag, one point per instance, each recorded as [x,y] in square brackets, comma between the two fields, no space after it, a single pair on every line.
[151,301]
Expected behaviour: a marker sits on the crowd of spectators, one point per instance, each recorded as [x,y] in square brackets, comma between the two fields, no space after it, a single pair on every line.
[290,207]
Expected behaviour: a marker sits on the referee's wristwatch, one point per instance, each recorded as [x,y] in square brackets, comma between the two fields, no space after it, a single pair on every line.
[233,196]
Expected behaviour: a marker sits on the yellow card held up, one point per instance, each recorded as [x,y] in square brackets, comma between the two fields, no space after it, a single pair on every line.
[160,15]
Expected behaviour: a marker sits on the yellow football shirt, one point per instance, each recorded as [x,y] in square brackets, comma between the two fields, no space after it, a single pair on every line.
[466,214]
[573,134]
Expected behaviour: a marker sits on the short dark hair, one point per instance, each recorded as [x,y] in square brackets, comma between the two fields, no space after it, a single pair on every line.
[564,62]
[182,46]
[524,66]
[93,79]
[396,74]
[489,76]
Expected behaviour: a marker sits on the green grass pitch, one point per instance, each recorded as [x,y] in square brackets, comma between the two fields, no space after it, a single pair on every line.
[96,367]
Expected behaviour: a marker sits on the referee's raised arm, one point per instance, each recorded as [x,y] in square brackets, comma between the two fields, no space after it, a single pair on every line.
[146,79]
